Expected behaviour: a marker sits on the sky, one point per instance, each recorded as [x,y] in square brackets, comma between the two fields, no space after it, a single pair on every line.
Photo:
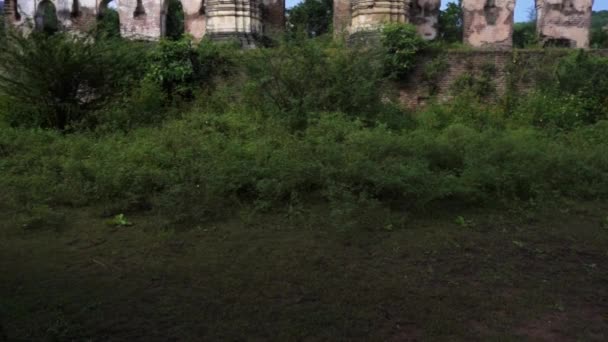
[521,7]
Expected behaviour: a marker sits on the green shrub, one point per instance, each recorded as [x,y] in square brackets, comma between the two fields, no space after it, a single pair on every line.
[182,68]
[311,16]
[172,65]
[299,79]
[401,44]
[57,81]
[108,24]
[206,166]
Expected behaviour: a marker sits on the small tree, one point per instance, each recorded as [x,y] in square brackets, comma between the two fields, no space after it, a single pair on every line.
[451,23]
[311,16]
[174,24]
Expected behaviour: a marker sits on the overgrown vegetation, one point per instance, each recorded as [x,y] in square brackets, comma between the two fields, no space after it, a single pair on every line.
[599,30]
[230,185]
[314,17]
[402,44]
[58,81]
[197,131]
[451,23]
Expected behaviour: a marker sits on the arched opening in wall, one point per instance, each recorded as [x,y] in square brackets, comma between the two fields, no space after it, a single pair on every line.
[524,25]
[75,12]
[46,18]
[108,21]
[140,11]
[173,20]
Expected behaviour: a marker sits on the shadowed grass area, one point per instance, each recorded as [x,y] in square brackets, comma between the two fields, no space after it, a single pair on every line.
[482,275]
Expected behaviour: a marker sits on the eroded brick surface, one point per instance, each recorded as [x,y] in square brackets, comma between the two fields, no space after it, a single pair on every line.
[488,23]
[425,15]
[564,22]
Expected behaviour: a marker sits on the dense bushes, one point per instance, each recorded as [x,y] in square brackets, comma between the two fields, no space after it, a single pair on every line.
[306,123]
[205,165]
[574,93]
[304,78]
[56,81]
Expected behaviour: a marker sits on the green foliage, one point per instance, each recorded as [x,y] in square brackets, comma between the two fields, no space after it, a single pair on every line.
[479,85]
[570,92]
[599,30]
[451,23]
[174,20]
[434,71]
[206,166]
[181,67]
[311,16]
[306,123]
[524,35]
[57,81]
[401,43]
[299,79]
[46,18]
[108,24]
[172,65]
[119,220]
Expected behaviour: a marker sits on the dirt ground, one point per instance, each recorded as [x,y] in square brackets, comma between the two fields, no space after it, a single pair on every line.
[484,275]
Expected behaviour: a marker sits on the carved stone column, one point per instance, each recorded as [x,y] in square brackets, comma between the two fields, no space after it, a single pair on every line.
[240,19]
[369,15]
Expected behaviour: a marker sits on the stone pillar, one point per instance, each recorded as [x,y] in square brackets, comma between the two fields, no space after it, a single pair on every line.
[425,15]
[240,19]
[342,17]
[140,19]
[369,15]
[564,23]
[488,23]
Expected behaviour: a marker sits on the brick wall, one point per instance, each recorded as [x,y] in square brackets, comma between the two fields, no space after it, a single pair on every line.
[506,65]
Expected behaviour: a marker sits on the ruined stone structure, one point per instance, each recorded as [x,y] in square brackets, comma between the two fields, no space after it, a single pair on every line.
[425,15]
[355,17]
[564,23]
[488,24]
[145,19]
[368,15]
